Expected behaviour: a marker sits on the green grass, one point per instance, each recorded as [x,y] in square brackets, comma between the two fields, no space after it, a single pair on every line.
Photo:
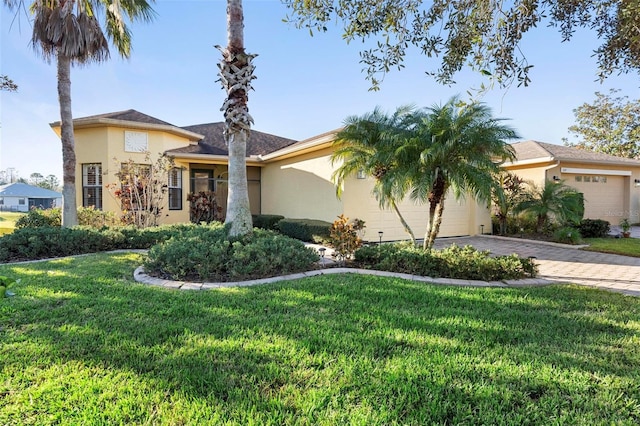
[8,221]
[81,343]
[624,246]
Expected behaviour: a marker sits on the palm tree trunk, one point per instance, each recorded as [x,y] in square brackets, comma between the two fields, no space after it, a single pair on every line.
[435,226]
[432,216]
[69,210]
[406,226]
[236,73]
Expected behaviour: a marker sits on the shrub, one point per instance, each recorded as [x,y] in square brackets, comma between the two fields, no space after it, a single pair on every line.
[310,230]
[567,235]
[207,253]
[266,221]
[594,228]
[453,262]
[89,216]
[203,207]
[343,237]
[47,242]
[38,218]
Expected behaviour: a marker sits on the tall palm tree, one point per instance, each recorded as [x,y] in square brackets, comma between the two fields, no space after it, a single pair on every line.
[553,200]
[455,147]
[69,31]
[367,144]
[236,73]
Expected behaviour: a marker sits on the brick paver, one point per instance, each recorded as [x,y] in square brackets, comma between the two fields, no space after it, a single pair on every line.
[562,263]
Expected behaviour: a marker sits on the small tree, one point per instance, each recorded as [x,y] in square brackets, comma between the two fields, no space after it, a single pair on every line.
[508,191]
[553,201]
[141,189]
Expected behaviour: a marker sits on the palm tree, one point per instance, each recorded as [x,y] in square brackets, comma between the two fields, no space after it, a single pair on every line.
[455,147]
[236,73]
[69,31]
[553,200]
[367,145]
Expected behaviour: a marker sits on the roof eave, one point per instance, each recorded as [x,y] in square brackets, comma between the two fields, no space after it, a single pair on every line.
[101,122]
[224,159]
[309,145]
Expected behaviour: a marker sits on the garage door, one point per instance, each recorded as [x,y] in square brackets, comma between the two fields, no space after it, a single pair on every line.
[603,196]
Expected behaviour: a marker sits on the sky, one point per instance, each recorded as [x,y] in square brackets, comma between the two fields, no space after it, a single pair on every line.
[305,85]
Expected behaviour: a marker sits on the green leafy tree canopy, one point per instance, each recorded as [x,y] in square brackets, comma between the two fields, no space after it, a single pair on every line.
[483,34]
[611,125]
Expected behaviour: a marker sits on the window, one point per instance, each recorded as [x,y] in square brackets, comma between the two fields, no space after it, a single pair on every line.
[603,179]
[202,181]
[587,178]
[1,201]
[595,179]
[578,178]
[21,201]
[175,189]
[92,185]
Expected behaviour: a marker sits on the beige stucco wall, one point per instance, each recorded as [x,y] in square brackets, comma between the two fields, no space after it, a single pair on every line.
[105,145]
[301,187]
[462,217]
[619,199]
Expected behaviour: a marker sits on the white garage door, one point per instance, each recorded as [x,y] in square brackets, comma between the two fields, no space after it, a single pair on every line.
[603,196]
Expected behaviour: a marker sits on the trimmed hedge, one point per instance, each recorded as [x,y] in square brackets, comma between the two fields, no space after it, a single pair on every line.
[208,253]
[47,242]
[310,230]
[594,228]
[266,221]
[454,262]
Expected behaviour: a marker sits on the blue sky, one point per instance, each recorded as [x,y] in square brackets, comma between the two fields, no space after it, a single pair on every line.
[305,86]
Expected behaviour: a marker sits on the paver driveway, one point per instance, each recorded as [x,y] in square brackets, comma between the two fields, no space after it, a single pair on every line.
[565,263]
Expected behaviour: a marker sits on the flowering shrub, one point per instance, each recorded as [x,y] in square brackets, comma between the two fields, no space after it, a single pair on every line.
[343,237]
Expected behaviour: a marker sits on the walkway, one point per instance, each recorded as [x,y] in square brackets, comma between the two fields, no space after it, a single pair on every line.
[565,263]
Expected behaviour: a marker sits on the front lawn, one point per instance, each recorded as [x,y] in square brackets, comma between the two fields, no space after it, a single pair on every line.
[82,343]
[8,221]
[624,246]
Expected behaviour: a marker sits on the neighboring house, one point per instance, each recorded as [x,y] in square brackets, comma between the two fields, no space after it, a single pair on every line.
[20,197]
[285,176]
[611,185]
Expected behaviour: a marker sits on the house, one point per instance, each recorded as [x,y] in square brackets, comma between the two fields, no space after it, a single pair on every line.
[285,177]
[611,185]
[20,197]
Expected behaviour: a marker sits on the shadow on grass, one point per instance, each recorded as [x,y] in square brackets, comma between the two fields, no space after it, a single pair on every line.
[397,351]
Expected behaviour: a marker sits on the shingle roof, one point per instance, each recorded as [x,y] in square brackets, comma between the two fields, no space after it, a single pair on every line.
[531,150]
[20,189]
[259,143]
[128,115]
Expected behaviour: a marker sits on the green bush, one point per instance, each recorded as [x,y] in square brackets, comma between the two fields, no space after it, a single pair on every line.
[38,218]
[207,253]
[89,216]
[310,230]
[47,242]
[453,262]
[266,221]
[594,228]
[567,235]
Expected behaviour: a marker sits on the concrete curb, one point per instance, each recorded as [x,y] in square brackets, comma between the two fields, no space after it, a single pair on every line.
[140,276]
